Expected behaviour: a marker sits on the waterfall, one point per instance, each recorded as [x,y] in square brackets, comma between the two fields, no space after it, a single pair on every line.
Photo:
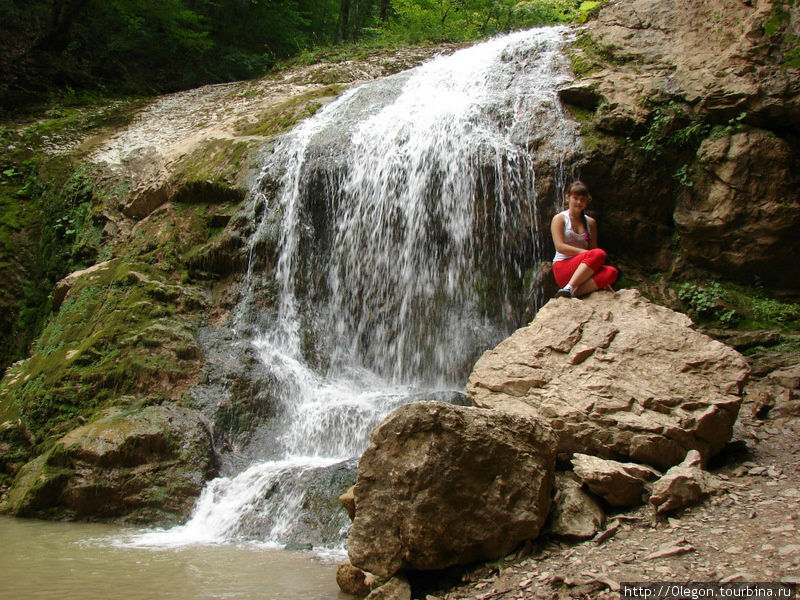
[398,230]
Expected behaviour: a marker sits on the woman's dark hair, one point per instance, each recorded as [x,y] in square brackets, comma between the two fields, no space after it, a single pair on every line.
[578,188]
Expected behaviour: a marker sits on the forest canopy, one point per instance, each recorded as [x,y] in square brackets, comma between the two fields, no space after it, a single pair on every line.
[112,47]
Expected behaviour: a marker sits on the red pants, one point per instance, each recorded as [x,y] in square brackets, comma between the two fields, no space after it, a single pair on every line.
[604,275]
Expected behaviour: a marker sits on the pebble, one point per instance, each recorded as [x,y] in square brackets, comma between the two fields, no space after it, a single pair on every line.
[788,549]
[758,471]
[734,550]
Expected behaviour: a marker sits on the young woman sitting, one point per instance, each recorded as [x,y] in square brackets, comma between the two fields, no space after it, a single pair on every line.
[579,265]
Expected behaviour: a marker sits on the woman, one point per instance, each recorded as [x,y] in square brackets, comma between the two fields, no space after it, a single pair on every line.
[579,265]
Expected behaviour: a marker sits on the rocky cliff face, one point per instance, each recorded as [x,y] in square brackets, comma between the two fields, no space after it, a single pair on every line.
[690,127]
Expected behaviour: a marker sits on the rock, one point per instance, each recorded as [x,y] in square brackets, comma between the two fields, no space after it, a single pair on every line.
[670,550]
[788,377]
[743,340]
[397,588]
[608,533]
[616,376]
[619,484]
[63,286]
[354,581]
[348,500]
[575,513]
[580,95]
[139,465]
[442,485]
[735,218]
[683,485]
[789,549]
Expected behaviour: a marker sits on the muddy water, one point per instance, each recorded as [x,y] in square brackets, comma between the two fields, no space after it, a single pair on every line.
[78,561]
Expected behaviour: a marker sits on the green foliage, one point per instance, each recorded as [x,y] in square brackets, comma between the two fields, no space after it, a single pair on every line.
[735,125]
[745,307]
[767,310]
[707,301]
[682,176]
[414,21]
[588,10]
[701,299]
[672,126]
[46,231]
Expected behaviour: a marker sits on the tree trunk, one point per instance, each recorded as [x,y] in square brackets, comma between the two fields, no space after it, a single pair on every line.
[344,20]
[64,13]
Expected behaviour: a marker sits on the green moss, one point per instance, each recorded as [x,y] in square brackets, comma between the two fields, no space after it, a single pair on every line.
[117,333]
[286,115]
[594,140]
[212,171]
[582,65]
[35,486]
[597,54]
[582,115]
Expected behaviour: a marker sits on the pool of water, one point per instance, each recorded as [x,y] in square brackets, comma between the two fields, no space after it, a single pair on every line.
[86,561]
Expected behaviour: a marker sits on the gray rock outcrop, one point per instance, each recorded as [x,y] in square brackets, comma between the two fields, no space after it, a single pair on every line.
[700,89]
[616,376]
[441,485]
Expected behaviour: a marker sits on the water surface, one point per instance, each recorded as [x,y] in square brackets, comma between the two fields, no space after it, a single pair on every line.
[85,561]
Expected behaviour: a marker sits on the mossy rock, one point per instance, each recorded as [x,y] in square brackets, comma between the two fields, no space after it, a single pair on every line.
[282,117]
[133,465]
[122,329]
[212,172]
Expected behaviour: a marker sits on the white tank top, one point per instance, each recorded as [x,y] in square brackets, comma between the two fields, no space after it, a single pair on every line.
[579,240]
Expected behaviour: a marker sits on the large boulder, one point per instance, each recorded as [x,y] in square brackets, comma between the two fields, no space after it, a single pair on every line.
[441,485]
[616,376]
[138,465]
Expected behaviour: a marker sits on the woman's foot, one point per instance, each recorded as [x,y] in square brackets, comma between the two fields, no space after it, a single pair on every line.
[565,292]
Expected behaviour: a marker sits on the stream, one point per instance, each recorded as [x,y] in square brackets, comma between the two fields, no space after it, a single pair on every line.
[43,560]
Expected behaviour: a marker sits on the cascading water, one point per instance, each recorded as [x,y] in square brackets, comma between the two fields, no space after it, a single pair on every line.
[404,223]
